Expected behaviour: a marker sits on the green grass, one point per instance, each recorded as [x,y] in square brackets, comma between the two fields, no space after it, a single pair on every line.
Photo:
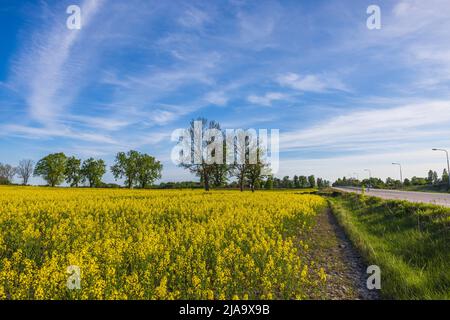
[440,188]
[409,242]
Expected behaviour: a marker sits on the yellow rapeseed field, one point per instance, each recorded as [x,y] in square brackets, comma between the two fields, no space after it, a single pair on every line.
[155,244]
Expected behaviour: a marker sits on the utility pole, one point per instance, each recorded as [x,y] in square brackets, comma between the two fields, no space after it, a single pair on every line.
[401,175]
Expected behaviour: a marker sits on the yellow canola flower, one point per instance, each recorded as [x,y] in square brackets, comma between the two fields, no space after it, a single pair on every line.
[154,244]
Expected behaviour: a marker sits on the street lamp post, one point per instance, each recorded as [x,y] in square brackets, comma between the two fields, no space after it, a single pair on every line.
[448,165]
[370,178]
[401,175]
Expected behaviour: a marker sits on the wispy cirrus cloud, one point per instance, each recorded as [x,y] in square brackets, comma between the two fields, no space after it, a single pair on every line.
[218,98]
[54,72]
[311,82]
[48,70]
[57,132]
[194,17]
[139,69]
[375,129]
[267,99]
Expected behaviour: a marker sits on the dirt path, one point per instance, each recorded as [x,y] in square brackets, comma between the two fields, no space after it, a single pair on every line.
[345,269]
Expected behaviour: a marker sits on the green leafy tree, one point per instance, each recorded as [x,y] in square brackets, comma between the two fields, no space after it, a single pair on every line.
[435,178]
[220,171]
[303,182]
[320,183]
[149,170]
[390,183]
[445,176]
[276,183]
[126,166]
[219,175]
[407,182]
[269,183]
[52,168]
[73,171]
[418,181]
[296,182]
[92,171]
[256,171]
[312,181]
[286,182]
[430,177]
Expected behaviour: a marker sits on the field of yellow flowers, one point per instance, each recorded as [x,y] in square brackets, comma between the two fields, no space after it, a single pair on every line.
[155,244]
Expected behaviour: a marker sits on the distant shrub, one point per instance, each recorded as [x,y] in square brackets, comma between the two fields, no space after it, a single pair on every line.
[109,185]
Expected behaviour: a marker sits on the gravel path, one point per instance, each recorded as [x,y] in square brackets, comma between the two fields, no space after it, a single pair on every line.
[345,269]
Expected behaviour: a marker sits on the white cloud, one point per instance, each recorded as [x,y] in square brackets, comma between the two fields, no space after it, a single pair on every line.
[311,82]
[48,69]
[162,116]
[415,36]
[194,18]
[144,81]
[56,132]
[104,123]
[257,27]
[218,98]
[376,129]
[267,99]
[144,87]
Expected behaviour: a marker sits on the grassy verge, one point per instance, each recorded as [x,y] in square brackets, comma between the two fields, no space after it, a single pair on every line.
[435,188]
[409,242]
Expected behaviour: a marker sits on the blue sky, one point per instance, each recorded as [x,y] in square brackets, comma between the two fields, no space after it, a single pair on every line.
[345,98]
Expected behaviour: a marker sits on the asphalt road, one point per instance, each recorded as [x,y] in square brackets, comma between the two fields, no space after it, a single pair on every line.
[442,199]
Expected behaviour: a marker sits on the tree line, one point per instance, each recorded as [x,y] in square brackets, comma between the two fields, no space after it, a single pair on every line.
[297,182]
[142,170]
[138,169]
[432,179]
